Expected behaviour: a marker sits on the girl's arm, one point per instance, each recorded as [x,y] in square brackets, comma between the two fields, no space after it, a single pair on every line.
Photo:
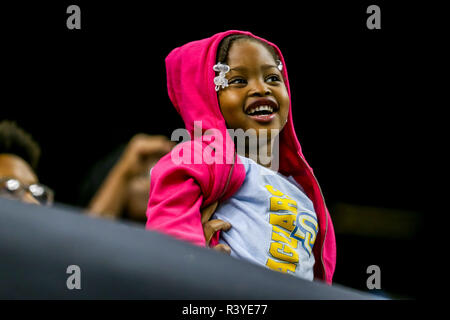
[177,193]
[174,209]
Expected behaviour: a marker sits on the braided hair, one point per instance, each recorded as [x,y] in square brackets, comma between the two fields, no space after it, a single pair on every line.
[226,43]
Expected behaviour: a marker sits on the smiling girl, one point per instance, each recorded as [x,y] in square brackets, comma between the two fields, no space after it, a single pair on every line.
[235,80]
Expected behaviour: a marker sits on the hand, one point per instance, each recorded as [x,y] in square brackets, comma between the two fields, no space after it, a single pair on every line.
[142,151]
[211,227]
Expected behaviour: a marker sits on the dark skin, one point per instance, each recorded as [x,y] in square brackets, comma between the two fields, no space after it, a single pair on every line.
[12,166]
[253,75]
[210,227]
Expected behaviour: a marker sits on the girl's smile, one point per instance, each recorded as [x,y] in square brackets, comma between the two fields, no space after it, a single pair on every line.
[262,110]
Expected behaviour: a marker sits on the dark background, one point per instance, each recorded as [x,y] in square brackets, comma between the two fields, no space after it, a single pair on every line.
[359,103]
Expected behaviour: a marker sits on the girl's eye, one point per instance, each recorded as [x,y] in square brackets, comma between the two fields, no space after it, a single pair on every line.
[237,81]
[273,78]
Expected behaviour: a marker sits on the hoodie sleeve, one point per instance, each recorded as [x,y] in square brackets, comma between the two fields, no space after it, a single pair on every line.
[176,196]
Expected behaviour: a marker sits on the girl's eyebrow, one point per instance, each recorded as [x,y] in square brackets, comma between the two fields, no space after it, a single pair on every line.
[268,66]
[239,68]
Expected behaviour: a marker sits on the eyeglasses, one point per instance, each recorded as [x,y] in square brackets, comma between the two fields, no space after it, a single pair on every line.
[14,189]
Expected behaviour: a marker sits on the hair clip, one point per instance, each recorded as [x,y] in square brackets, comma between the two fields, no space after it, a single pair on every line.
[279,65]
[220,80]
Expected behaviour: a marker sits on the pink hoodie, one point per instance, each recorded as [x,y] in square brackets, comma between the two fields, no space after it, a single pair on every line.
[179,192]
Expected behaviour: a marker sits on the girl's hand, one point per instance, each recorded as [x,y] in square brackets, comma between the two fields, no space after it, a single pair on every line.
[211,227]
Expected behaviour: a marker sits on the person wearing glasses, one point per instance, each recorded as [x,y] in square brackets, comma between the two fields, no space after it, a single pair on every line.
[19,157]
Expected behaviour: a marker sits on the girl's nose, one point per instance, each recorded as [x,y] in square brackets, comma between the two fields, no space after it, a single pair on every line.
[260,89]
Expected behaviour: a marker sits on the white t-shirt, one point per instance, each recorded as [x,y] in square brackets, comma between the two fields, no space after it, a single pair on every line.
[273,222]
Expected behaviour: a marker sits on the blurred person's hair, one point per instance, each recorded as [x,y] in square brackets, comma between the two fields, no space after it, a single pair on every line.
[15,140]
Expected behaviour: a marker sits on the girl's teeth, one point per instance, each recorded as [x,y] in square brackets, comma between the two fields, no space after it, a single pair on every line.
[261,108]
